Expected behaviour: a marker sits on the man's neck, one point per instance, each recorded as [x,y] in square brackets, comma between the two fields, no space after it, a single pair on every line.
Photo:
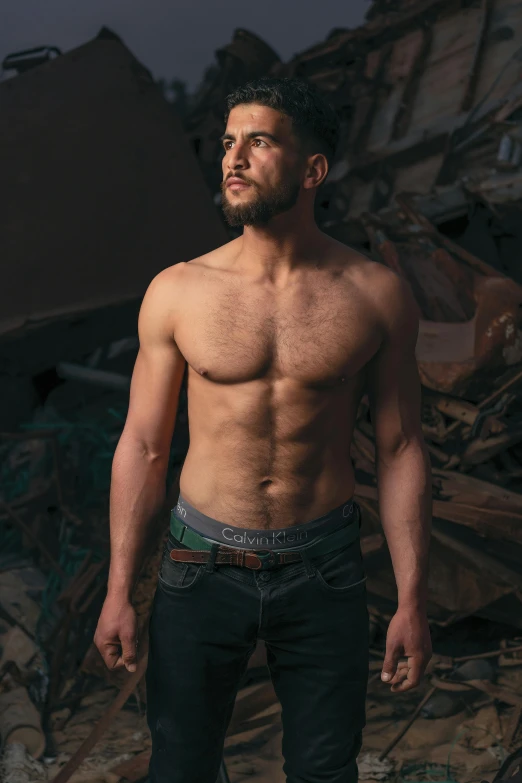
[278,249]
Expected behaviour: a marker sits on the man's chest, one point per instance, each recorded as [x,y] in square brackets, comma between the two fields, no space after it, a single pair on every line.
[313,337]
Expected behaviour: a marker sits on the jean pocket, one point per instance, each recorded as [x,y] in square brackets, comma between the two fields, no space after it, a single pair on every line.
[176,576]
[342,572]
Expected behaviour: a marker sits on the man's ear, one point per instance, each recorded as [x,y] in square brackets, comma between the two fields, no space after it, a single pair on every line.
[316,171]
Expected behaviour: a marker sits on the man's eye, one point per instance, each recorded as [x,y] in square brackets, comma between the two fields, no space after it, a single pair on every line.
[259,141]
[227,145]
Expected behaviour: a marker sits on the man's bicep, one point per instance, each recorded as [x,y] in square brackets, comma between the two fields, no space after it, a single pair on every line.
[157,378]
[154,396]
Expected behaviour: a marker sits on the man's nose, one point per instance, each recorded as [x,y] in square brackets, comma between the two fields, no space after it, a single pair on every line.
[236,158]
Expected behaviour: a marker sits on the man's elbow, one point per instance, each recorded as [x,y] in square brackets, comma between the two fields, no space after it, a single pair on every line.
[401,445]
[134,447]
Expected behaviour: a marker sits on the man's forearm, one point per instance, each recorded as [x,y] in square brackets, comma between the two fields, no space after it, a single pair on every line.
[405,503]
[137,497]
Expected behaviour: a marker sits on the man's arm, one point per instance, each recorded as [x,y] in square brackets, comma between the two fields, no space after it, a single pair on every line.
[140,465]
[403,480]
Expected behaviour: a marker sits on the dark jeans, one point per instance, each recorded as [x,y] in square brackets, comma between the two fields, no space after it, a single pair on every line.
[204,626]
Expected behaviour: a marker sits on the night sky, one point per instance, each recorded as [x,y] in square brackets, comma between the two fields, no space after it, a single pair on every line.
[175,39]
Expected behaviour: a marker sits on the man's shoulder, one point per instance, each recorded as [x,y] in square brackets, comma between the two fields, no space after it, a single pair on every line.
[362,267]
[215,259]
[386,292]
[183,272]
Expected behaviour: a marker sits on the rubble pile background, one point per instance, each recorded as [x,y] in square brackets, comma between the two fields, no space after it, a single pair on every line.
[427,180]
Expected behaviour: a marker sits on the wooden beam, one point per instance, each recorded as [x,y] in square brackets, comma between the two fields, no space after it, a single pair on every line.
[378,84]
[474,73]
[366,166]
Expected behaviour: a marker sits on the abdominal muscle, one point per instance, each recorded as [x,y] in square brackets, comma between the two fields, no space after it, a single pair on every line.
[239,475]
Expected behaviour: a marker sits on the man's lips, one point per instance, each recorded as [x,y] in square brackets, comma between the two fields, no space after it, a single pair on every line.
[236,183]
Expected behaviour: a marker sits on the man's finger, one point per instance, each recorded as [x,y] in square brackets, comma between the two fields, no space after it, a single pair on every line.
[128,652]
[110,654]
[401,673]
[413,676]
[389,666]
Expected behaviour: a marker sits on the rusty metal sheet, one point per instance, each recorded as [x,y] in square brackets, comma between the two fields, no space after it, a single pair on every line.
[101,188]
[471,315]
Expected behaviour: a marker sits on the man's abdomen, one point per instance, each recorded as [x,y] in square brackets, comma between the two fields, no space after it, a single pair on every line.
[232,488]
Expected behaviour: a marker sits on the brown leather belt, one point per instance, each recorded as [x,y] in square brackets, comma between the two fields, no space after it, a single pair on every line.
[237,557]
[257,560]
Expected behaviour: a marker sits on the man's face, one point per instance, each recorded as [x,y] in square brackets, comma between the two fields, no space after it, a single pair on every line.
[262,166]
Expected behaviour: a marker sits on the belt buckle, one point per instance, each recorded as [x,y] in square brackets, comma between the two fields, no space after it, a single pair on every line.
[267,559]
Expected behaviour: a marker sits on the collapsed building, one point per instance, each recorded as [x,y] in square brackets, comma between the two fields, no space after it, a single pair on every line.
[427,180]
[430,101]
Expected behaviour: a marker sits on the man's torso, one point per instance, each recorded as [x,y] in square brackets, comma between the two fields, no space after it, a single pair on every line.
[275,376]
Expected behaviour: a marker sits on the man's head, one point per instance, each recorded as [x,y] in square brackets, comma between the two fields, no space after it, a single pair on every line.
[280,136]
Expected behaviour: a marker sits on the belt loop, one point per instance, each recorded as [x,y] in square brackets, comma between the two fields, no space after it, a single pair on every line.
[310,569]
[211,562]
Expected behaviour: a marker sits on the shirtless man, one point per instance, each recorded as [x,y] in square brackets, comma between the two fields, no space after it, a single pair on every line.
[283,329]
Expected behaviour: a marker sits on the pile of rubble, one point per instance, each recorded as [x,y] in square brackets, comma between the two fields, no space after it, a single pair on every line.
[428,181]
[55,478]
[469,361]
[430,100]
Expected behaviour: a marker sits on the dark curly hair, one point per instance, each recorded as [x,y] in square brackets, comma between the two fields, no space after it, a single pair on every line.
[314,121]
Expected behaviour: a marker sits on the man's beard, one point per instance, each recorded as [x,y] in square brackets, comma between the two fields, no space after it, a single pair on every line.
[260,209]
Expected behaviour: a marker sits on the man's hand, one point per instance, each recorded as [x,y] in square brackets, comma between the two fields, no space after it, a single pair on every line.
[408,637]
[116,635]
